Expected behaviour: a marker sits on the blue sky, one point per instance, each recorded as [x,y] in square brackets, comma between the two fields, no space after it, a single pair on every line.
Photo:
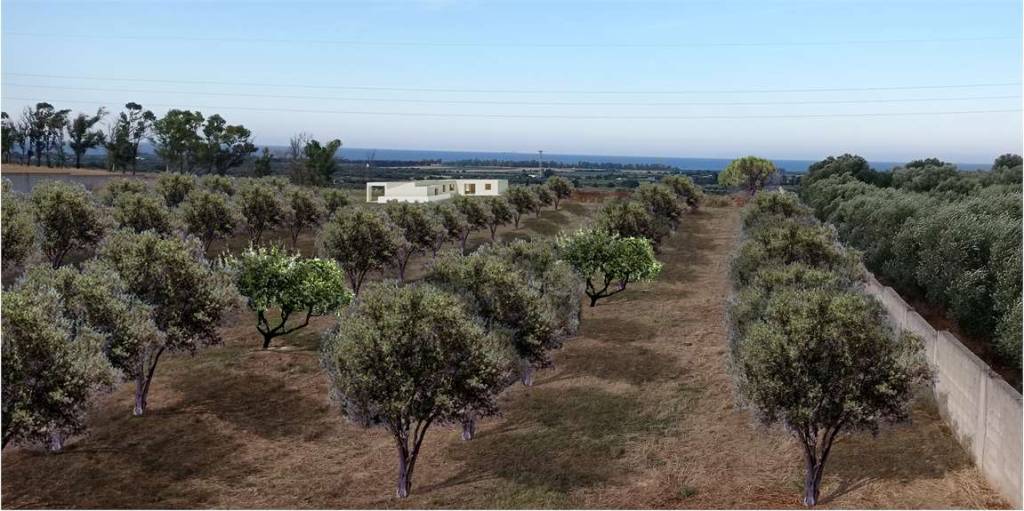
[702,78]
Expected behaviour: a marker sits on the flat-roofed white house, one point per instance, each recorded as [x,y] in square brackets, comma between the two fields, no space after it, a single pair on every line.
[432,190]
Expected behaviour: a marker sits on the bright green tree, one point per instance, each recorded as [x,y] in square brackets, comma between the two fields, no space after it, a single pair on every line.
[270,279]
[605,260]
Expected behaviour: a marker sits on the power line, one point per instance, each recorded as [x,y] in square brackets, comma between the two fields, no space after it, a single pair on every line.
[516,44]
[529,116]
[522,91]
[525,103]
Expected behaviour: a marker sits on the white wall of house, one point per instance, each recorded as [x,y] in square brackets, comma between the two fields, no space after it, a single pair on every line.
[432,190]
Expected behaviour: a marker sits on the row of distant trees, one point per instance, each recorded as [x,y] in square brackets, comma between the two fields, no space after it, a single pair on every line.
[186,141]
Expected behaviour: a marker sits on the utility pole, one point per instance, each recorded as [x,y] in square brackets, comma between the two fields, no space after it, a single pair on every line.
[540,162]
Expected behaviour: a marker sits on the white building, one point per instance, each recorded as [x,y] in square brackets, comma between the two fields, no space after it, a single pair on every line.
[431,190]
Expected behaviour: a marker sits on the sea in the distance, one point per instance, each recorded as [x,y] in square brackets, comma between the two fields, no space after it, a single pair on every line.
[795,166]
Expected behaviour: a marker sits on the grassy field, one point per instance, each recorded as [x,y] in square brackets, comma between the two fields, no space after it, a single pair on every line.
[638,412]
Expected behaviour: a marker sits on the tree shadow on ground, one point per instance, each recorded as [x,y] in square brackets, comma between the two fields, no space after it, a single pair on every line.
[253,402]
[617,362]
[553,216]
[555,439]
[541,226]
[615,329]
[574,208]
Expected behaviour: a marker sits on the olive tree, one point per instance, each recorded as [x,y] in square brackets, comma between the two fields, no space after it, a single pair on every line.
[334,199]
[67,219]
[143,212]
[115,187]
[500,212]
[18,239]
[661,203]
[405,358]
[360,240]
[606,260]
[271,279]
[208,216]
[216,183]
[684,188]
[750,172]
[175,187]
[560,189]
[455,223]
[523,201]
[261,207]
[305,210]
[544,197]
[502,297]
[52,365]
[823,362]
[631,219]
[187,296]
[417,233]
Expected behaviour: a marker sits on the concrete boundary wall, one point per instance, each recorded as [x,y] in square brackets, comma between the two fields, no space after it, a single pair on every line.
[983,410]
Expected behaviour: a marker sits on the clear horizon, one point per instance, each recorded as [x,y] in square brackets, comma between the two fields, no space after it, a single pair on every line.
[781,79]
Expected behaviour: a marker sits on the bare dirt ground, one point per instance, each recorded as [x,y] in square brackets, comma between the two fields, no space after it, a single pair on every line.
[638,412]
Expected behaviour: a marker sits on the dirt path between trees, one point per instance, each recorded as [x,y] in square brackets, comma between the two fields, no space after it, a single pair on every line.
[638,411]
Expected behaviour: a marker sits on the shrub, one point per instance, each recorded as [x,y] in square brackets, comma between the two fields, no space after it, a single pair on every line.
[175,187]
[360,241]
[684,188]
[208,216]
[630,219]
[115,187]
[18,239]
[143,212]
[261,207]
[220,184]
[304,210]
[67,219]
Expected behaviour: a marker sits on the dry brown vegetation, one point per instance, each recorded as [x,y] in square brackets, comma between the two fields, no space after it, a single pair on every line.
[637,412]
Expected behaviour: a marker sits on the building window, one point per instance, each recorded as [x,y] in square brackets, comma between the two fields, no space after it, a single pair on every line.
[487,186]
[469,189]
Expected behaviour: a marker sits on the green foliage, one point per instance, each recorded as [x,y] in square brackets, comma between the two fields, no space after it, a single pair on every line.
[545,197]
[260,206]
[750,172]
[82,135]
[822,362]
[305,210]
[52,364]
[334,199]
[503,299]
[208,216]
[271,279]
[67,219]
[18,239]
[560,189]
[360,240]
[476,212]
[188,297]
[793,242]
[661,203]
[418,231]
[263,165]
[176,140]
[142,212]
[122,142]
[630,219]
[685,189]
[523,201]
[960,249]
[603,258]
[174,187]
[407,357]
[922,175]
[115,187]
[500,212]
[454,222]
[217,183]
[768,208]
[851,164]
[223,146]
[318,163]
[1007,161]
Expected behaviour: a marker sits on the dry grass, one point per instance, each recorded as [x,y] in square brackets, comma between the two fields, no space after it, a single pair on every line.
[637,412]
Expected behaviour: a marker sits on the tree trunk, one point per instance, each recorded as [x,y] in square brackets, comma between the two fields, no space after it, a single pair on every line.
[812,483]
[404,472]
[266,340]
[526,372]
[56,442]
[593,300]
[468,425]
[462,244]
[140,396]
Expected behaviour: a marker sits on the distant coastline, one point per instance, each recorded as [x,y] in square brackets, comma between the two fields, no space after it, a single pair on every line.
[794,166]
